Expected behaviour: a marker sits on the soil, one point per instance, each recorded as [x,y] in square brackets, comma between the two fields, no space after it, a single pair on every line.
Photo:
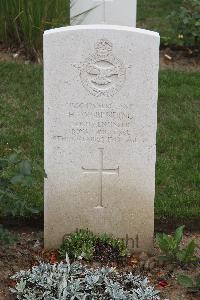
[182,60]
[162,224]
[170,58]
[29,250]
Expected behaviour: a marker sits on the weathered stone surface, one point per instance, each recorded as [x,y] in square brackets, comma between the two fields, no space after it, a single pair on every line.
[100,86]
[114,12]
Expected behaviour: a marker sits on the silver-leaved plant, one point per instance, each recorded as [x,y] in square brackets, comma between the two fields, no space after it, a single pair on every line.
[65,281]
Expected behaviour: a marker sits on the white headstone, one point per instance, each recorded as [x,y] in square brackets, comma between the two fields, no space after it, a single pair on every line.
[101,84]
[114,12]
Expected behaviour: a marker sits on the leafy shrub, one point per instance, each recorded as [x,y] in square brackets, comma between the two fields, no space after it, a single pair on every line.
[64,282]
[116,244]
[186,24]
[16,174]
[84,244]
[6,238]
[171,248]
[192,285]
[79,244]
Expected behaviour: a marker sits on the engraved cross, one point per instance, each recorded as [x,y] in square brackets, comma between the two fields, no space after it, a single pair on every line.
[101,171]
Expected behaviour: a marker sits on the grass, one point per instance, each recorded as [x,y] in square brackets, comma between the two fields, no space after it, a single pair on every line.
[177,177]
[178,180]
[21,118]
[152,14]
[23,22]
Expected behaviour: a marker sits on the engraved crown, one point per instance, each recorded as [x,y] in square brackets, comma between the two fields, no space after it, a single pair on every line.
[103,47]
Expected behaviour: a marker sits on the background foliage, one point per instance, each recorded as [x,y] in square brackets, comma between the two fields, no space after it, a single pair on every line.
[192,284]
[177,21]
[22,22]
[186,24]
[6,238]
[16,175]
[173,252]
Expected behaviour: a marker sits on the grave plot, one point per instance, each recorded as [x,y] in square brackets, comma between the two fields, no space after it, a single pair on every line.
[100,113]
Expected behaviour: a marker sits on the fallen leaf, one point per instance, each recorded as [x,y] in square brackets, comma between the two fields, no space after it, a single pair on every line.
[162,283]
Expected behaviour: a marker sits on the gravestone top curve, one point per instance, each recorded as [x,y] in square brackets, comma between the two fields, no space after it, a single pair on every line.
[100,27]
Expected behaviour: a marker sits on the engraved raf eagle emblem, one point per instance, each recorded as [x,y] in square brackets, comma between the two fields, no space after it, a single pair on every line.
[102,74]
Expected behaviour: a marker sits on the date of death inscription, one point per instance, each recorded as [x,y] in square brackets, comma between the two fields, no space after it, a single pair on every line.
[96,123]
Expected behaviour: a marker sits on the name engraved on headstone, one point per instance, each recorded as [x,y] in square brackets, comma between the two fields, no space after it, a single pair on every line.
[111,123]
[101,171]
